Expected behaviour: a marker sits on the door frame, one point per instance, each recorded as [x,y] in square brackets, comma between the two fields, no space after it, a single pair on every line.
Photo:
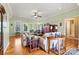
[2,11]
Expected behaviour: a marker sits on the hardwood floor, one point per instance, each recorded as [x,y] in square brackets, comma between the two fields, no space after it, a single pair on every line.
[15,47]
[71,42]
[1,51]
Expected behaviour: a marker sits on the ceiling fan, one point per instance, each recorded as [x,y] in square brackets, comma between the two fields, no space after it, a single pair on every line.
[36,14]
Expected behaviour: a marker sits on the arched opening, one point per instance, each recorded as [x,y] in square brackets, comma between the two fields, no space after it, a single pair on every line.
[2,12]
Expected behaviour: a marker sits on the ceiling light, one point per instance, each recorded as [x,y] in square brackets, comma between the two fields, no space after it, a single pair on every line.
[78,4]
[59,8]
[36,14]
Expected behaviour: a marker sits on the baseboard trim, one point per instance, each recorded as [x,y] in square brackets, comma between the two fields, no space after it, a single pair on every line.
[6,48]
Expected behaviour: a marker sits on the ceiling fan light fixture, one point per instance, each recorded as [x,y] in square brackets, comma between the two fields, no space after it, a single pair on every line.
[59,8]
[36,14]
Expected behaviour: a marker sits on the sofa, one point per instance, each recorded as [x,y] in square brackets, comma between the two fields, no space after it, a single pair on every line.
[44,40]
[24,39]
[31,41]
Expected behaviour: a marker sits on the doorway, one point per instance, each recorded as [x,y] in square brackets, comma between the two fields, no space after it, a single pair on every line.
[72,32]
[2,11]
[70,27]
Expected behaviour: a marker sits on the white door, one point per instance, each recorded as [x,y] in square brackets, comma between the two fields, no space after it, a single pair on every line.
[68,28]
[72,28]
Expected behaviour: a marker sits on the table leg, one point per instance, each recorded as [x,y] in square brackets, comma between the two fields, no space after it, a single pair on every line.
[48,46]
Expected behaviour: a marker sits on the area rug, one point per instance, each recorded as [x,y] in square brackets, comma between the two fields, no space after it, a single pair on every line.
[72,51]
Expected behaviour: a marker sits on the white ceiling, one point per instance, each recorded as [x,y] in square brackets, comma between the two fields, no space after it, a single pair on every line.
[47,9]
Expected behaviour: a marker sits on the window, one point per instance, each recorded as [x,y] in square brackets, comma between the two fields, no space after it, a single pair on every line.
[25,27]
